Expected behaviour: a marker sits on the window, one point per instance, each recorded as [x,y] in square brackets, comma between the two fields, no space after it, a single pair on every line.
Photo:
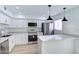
[58,24]
[50,27]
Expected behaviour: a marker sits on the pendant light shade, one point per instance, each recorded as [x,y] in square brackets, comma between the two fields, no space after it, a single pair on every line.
[49,18]
[64,19]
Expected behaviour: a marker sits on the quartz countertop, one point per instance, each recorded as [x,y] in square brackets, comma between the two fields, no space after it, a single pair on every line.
[3,39]
[55,37]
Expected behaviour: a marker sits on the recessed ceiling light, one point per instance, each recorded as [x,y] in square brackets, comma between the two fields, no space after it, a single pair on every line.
[17,7]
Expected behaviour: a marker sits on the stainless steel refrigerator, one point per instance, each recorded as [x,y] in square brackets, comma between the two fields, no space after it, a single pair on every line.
[47,28]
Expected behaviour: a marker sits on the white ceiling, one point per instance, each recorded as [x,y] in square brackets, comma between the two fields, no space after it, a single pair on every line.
[35,11]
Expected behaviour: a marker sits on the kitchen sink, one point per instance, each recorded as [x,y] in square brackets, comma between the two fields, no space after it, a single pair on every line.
[5,35]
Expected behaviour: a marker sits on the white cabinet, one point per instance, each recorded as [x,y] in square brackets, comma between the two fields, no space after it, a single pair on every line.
[17,39]
[21,38]
[4,19]
[7,20]
[18,23]
[11,42]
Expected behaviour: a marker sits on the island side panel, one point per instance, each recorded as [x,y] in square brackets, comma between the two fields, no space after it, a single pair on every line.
[57,46]
[39,46]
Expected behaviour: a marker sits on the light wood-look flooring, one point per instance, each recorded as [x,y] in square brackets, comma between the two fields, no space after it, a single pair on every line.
[25,49]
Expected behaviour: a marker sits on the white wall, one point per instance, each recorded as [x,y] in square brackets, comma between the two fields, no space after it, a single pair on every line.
[56,46]
[71,26]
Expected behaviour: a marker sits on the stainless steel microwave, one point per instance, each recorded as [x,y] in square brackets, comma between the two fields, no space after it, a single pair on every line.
[32,24]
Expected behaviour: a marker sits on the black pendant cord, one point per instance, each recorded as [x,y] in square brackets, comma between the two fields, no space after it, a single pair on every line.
[49,9]
[64,11]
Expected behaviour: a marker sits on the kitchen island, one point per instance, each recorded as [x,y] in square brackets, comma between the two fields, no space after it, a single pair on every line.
[56,44]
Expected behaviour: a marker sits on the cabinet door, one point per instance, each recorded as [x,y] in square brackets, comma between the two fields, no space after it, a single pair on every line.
[21,39]
[18,23]
[11,42]
[7,20]
[4,19]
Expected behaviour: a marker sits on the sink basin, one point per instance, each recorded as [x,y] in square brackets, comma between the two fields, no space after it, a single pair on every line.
[5,35]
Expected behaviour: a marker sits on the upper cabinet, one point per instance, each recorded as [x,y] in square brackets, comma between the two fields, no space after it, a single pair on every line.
[4,19]
[18,23]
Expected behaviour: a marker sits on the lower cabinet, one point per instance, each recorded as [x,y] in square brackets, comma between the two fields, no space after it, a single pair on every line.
[11,42]
[21,38]
[17,39]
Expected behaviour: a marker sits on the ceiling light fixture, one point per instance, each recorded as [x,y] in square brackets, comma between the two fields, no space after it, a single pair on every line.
[49,18]
[64,19]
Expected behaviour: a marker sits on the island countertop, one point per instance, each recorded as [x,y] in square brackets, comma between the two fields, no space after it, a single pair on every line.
[55,37]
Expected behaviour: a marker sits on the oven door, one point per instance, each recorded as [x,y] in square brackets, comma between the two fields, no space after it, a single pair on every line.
[32,38]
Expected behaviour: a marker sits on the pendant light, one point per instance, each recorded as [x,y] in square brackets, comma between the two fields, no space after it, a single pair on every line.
[64,19]
[49,18]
